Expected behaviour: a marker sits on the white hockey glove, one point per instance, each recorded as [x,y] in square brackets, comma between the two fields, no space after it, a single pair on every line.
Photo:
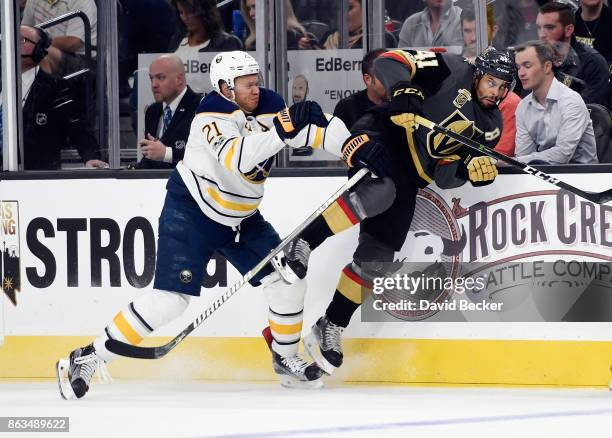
[310,136]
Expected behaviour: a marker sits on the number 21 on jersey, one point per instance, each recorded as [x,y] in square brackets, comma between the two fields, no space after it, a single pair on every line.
[209,133]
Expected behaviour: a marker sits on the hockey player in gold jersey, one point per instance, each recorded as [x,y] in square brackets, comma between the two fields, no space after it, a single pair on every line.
[443,88]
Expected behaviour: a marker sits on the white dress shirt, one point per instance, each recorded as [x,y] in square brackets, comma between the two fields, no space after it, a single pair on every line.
[558,132]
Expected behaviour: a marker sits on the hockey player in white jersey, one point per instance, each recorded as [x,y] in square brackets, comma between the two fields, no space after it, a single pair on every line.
[211,205]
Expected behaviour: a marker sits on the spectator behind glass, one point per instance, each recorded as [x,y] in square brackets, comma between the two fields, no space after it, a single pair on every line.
[355,30]
[529,11]
[68,47]
[168,120]
[556,25]
[402,9]
[351,108]
[200,29]
[552,123]
[438,25]
[51,114]
[594,27]
[297,37]
[504,14]
[468,30]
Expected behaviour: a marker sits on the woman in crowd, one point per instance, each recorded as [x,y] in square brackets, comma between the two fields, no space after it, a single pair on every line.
[200,30]
[355,30]
[297,37]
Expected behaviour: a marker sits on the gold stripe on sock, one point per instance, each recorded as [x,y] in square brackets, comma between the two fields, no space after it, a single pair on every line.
[126,329]
[282,329]
[349,287]
[336,218]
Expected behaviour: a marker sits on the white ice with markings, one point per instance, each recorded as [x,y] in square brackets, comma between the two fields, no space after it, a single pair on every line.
[198,409]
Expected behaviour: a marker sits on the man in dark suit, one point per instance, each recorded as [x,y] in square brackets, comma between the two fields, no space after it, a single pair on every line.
[168,120]
[51,111]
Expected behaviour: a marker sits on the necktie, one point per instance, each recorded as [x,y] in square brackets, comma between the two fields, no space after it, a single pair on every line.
[167,118]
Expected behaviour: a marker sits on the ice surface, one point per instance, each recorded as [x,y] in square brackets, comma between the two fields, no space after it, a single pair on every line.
[165,409]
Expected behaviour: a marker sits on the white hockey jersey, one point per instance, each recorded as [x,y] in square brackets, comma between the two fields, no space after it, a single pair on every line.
[229,154]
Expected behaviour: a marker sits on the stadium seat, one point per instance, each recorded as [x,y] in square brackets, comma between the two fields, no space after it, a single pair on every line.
[602,126]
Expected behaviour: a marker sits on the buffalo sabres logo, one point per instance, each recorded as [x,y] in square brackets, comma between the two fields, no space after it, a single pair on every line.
[185,276]
[260,172]
[41,119]
[439,145]
[179,144]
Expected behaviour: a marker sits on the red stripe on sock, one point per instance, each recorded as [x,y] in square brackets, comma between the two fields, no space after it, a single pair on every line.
[347,210]
[356,278]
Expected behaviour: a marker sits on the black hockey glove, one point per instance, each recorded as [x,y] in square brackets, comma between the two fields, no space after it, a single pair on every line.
[406,97]
[360,151]
[292,120]
[406,102]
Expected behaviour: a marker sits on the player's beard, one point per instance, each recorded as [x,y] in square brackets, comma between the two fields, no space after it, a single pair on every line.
[487,102]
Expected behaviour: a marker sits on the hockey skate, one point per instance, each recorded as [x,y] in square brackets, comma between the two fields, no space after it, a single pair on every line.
[74,374]
[324,344]
[297,254]
[294,372]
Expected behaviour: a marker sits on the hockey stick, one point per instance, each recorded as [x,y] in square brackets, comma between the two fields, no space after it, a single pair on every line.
[124,349]
[599,198]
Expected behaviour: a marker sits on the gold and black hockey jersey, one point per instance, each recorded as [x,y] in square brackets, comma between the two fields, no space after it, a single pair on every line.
[422,156]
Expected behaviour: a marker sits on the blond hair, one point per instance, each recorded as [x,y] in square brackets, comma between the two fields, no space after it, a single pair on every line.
[292,23]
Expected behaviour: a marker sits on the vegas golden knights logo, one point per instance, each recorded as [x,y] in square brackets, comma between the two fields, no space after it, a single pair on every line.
[9,239]
[440,146]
